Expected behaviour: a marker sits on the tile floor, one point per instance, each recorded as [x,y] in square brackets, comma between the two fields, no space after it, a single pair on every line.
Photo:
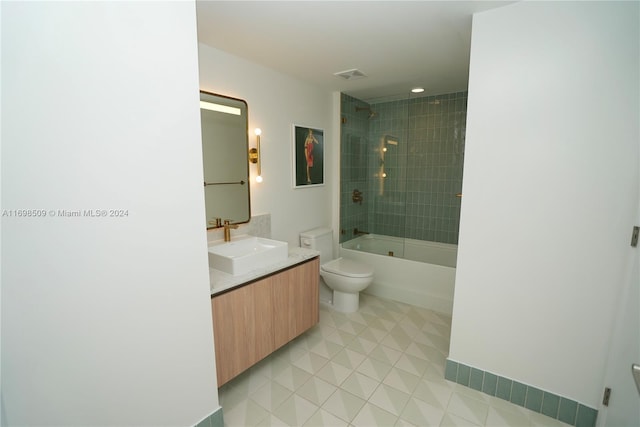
[381,366]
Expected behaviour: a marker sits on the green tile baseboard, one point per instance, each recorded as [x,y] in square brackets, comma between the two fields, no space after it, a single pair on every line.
[560,408]
[213,420]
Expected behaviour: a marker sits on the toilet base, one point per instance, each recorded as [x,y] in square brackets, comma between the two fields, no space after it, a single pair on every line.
[346,302]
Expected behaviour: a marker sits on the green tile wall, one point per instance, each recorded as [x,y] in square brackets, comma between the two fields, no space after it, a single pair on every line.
[213,420]
[424,171]
[388,213]
[354,166]
[437,126]
[554,406]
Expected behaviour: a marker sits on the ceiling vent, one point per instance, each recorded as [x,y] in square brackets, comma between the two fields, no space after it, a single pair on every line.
[350,74]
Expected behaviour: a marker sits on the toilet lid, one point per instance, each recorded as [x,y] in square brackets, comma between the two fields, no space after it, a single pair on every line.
[348,268]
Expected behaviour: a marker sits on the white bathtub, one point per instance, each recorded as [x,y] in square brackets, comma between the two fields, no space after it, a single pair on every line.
[419,272]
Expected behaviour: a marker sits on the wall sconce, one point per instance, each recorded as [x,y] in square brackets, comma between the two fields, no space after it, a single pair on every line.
[254,154]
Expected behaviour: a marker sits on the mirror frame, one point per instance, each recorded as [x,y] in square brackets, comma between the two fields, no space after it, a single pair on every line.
[206,94]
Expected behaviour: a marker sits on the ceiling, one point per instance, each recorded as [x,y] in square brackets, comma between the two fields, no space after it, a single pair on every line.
[396,44]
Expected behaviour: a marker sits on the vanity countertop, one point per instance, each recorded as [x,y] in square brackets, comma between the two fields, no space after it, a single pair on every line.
[220,281]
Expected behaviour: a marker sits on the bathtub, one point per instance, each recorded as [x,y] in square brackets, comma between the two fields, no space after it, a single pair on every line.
[418,272]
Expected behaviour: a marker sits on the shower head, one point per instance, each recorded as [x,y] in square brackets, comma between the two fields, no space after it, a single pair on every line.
[372,113]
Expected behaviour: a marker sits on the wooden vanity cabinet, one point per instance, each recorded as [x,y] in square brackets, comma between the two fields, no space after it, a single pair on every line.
[242,325]
[295,301]
[252,321]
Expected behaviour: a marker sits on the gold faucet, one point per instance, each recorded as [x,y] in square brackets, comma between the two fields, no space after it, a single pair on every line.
[227,230]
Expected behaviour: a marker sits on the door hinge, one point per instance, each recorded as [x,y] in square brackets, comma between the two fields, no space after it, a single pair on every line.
[607,396]
[634,236]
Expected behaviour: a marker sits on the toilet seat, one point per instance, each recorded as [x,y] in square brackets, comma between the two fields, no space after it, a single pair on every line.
[347,268]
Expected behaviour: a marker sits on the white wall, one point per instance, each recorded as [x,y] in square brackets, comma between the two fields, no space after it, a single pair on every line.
[277,101]
[550,191]
[105,321]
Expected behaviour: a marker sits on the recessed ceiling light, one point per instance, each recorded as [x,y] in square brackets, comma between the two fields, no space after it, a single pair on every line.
[417,90]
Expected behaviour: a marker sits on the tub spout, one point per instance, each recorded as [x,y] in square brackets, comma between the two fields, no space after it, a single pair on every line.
[357,232]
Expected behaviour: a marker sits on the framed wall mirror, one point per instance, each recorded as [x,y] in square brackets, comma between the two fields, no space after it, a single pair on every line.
[225,148]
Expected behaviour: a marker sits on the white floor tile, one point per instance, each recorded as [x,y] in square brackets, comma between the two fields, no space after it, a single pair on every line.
[372,416]
[343,405]
[390,399]
[316,390]
[322,418]
[381,366]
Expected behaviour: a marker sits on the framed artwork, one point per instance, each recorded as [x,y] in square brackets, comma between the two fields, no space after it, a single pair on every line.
[308,156]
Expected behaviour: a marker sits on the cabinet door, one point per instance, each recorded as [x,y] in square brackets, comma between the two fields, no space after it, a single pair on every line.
[307,296]
[242,326]
[295,301]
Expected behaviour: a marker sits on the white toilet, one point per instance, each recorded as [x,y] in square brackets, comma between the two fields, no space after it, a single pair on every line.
[346,277]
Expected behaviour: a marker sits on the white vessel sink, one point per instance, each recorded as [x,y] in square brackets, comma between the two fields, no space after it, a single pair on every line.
[246,254]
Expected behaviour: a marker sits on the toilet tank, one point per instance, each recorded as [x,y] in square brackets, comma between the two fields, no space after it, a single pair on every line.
[321,240]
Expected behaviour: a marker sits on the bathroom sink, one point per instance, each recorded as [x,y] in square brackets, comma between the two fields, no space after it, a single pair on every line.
[246,254]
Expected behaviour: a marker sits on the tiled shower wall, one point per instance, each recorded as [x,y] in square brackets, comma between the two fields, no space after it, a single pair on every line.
[417,198]
[354,152]
[434,166]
